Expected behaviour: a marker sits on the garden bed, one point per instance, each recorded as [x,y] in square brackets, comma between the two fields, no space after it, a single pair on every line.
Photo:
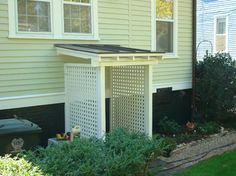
[187,154]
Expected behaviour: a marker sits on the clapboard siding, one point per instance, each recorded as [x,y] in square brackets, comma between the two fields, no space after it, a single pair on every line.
[178,70]
[205,29]
[31,66]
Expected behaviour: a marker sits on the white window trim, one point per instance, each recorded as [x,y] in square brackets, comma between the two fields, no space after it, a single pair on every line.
[175,30]
[226,16]
[57,28]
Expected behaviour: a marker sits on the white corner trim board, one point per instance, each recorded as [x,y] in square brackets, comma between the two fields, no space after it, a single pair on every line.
[31,100]
[175,86]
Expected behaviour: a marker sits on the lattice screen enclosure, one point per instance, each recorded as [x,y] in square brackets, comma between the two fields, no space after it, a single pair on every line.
[127,102]
[85,103]
[129,78]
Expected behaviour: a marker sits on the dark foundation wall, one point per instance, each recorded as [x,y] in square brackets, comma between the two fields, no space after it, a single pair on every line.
[49,117]
[173,104]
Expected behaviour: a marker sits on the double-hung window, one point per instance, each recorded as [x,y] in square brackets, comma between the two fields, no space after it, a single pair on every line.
[77,16]
[165,26]
[33,16]
[53,19]
[221,25]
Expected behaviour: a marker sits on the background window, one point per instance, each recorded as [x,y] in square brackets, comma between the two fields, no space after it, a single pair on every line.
[33,16]
[220,36]
[221,25]
[164,25]
[77,16]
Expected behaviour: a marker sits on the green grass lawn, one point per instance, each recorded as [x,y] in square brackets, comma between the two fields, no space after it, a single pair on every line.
[221,165]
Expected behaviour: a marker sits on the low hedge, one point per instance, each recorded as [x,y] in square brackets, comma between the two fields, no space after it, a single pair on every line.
[18,167]
[121,153]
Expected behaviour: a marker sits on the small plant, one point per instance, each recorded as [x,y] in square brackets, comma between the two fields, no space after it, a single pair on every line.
[18,166]
[166,145]
[169,126]
[207,128]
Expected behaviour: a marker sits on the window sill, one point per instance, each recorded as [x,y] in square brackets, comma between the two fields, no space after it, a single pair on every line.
[51,37]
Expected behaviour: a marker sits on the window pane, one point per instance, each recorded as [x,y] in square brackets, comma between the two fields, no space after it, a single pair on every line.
[22,23]
[164,34]
[44,24]
[67,24]
[21,7]
[85,1]
[32,23]
[75,11]
[221,26]
[82,1]
[77,18]
[75,25]
[164,9]
[220,43]
[33,16]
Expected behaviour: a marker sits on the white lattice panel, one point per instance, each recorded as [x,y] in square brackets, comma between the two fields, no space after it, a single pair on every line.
[127,104]
[82,108]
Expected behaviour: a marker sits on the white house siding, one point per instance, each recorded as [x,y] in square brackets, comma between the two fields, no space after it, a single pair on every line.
[206,12]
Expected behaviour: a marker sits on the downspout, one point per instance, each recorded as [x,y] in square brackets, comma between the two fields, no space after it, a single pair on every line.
[194,54]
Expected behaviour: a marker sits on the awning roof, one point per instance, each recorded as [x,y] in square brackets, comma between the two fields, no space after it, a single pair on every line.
[109,55]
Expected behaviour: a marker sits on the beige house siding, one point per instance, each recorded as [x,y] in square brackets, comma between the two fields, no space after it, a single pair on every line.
[178,71]
[31,66]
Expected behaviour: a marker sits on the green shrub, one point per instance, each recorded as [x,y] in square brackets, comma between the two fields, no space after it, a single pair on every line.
[121,153]
[207,128]
[215,87]
[18,167]
[168,126]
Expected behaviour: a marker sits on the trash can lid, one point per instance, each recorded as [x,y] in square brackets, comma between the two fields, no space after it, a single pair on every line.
[8,126]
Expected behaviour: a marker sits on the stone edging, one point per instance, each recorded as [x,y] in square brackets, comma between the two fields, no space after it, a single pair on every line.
[188,154]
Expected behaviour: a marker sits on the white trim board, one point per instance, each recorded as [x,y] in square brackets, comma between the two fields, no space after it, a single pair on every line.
[31,100]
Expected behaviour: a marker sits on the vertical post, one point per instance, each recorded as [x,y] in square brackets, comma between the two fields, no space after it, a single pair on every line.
[111,99]
[101,102]
[67,108]
[148,100]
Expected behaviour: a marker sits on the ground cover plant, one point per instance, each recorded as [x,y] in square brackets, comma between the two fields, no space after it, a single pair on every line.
[188,132]
[219,165]
[121,153]
[169,126]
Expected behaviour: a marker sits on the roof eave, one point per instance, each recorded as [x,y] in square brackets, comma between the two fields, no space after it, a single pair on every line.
[114,59]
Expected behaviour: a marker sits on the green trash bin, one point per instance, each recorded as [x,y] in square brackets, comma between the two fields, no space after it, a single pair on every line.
[17,135]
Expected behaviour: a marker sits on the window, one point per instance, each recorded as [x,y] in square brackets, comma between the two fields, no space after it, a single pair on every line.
[34,16]
[56,19]
[221,34]
[77,16]
[165,26]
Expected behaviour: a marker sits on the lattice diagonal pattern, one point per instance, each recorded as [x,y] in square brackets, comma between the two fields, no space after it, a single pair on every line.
[128,97]
[81,100]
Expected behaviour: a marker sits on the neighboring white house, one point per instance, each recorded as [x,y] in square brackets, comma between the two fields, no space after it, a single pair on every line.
[216,27]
